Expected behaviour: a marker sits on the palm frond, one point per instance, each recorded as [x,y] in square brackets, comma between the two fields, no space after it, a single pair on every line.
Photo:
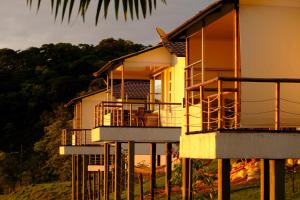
[131,6]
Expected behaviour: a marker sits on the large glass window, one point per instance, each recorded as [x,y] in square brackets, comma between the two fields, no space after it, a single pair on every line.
[158,86]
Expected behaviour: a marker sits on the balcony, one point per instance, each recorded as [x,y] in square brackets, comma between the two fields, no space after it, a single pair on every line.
[72,141]
[242,118]
[137,121]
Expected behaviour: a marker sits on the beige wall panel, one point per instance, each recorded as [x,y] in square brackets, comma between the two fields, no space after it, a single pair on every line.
[270,46]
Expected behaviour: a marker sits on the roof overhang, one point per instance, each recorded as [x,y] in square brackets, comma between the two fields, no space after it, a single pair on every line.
[119,61]
[205,17]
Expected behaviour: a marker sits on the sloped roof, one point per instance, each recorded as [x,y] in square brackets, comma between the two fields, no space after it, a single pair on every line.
[177,48]
[115,62]
[133,89]
[73,101]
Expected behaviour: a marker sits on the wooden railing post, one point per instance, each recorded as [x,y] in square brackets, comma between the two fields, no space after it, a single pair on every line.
[130,114]
[187,112]
[159,113]
[208,113]
[220,102]
[201,107]
[277,106]
[102,114]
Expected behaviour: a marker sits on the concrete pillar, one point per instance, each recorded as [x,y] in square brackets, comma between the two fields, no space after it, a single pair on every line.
[73,177]
[84,176]
[106,170]
[168,170]
[118,170]
[153,171]
[99,184]
[223,179]
[185,178]
[264,179]
[130,179]
[79,177]
[190,189]
[277,179]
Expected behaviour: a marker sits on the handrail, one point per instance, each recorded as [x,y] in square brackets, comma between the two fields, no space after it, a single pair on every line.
[222,109]
[137,113]
[195,63]
[142,103]
[82,137]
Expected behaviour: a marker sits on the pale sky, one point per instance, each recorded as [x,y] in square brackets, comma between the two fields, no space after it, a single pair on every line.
[21,27]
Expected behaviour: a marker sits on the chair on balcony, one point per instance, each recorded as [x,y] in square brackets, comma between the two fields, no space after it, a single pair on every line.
[139,116]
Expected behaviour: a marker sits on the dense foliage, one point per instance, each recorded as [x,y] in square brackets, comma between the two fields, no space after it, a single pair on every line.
[34,83]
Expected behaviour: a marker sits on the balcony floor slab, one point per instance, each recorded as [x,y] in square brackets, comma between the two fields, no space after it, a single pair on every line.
[137,134]
[222,145]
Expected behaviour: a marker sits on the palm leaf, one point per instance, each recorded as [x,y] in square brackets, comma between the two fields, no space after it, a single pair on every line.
[134,7]
[64,9]
[150,6]
[117,2]
[131,8]
[106,4]
[57,8]
[70,9]
[98,10]
[38,5]
[125,7]
[144,7]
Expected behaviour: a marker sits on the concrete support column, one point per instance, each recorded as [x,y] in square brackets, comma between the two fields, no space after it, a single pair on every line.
[264,179]
[168,170]
[153,171]
[130,179]
[79,177]
[190,190]
[118,170]
[84,176]
[277,179]
[185,178]
[223,179]
[99,185]
[106,170]
[73,177]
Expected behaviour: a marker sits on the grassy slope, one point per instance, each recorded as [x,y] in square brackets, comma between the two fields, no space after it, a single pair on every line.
[46,191]
[62,191]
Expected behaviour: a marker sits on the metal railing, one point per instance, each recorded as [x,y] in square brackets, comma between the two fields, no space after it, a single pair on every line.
[76,137]
[145,114]
[243,103]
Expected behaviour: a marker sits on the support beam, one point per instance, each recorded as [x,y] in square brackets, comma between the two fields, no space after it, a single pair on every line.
[84,176]
[264,179]
[94,186]
[185,178]
[106,170]
[223,179]
[73,177]
[118,170]
[277,179]
[130,179]
[79,176]
[99,184]
[168,170]
[153,171]
[190,189]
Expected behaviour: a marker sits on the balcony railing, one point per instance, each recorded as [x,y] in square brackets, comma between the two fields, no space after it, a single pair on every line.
[243,103]
[141,114]
[76,137]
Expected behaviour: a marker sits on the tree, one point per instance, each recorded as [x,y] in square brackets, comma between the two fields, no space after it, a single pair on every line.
[130,6]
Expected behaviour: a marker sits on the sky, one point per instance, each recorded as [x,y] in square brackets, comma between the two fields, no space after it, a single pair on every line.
[22,27]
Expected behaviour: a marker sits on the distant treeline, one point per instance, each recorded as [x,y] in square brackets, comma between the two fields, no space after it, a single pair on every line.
[34,83]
